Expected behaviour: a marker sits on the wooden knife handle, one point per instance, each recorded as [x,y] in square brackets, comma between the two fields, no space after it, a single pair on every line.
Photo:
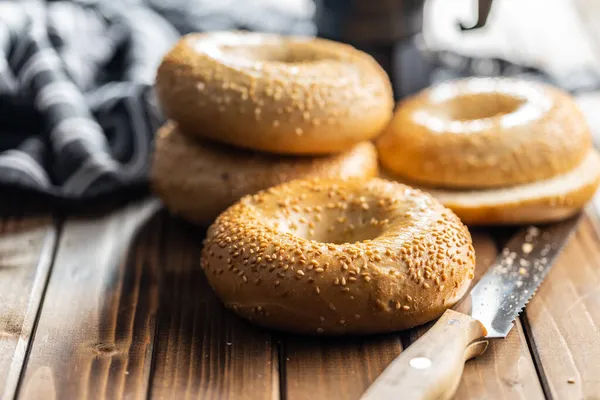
[432,366]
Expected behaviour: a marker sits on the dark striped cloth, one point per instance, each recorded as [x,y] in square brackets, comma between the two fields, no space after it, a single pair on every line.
[77,112]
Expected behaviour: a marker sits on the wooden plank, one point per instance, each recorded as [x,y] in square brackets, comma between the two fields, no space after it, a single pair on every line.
[94,335]
[564,316]
[335,368]
[506,369]
[202,350]
[26,249]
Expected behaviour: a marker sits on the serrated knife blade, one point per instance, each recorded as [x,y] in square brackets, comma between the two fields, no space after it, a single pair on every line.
[431,367]
[504,290]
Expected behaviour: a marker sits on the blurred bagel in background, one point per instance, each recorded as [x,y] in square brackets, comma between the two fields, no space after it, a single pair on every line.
[199,179]
[494,150]
[271,93]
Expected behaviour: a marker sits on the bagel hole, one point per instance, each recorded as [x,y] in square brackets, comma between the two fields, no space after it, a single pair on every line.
[274,53]
[477,106]
[360,234]
[339,226]
[342,235]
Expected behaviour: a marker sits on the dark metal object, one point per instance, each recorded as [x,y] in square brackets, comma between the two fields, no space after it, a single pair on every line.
[389,31]
[483,11]
[376,22]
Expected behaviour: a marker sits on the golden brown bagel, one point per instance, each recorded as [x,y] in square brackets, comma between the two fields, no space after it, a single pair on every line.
[484,133]
[542,201]
[288,95]
[199,179]
[336,257]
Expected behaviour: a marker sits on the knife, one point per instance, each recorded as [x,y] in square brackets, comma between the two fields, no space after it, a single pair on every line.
[432,366]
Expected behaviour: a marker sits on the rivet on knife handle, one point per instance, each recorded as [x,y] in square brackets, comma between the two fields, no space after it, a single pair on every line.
[432,366]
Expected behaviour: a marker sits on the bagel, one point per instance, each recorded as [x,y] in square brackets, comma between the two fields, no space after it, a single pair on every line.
[494,150]
[329,257]
[548,200]
[484,133]
[199,179]
[287,95]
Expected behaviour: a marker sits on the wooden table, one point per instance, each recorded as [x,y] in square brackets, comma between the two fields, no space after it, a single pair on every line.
[116,306]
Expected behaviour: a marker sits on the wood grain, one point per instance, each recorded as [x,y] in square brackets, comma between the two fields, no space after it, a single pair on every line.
[335,368]
[202,350]
[26,249]
[564,317]
[506,369]
[94,335]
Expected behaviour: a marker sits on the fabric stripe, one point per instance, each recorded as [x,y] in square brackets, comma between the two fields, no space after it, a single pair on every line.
[45,59]
[16,159]
[73,129]
[57,92]
[93,168]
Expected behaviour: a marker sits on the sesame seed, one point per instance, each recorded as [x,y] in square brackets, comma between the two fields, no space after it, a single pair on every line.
[527,248]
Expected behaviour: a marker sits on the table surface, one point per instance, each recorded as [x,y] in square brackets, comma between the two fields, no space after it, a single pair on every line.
[116,306]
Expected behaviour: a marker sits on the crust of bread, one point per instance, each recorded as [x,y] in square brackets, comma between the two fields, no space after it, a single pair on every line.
[482,133]
[339,257]
[543,201]
[199,179]
[285,95]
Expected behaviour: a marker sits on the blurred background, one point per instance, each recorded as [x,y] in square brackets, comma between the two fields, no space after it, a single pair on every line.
[95,61]
[418,41]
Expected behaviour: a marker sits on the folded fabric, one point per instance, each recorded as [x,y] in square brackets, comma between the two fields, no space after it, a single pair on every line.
[77,111]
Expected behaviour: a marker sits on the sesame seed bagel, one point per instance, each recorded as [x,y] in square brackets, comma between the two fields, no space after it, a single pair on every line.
[199,179]
[289,95]
[543,201]
[485,133]
[339,257]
